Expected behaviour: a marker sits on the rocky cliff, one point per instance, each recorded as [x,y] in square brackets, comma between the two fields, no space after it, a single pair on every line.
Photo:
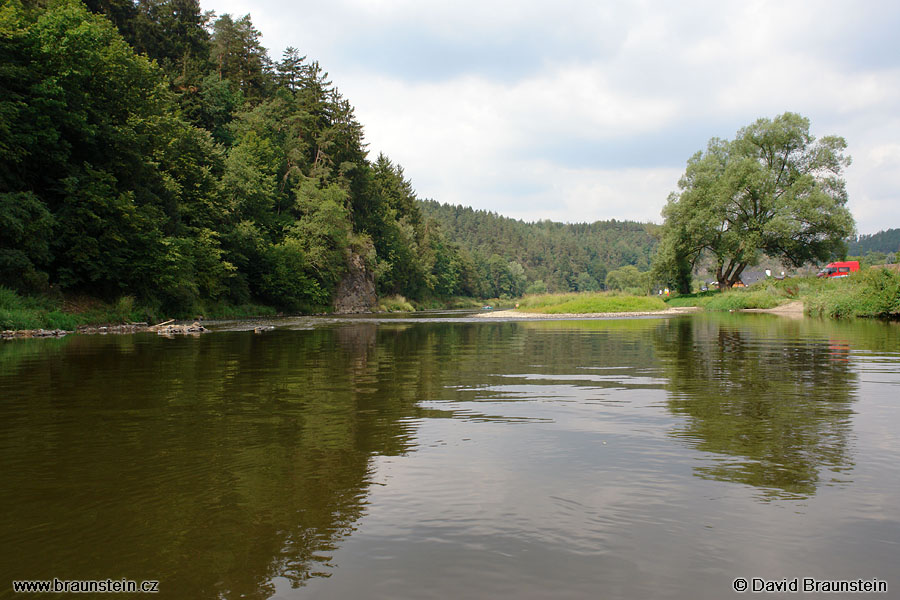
[356,291]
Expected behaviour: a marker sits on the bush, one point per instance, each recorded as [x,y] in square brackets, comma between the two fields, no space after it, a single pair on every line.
[868,293]
[741,299]
[9,299]
[396,303]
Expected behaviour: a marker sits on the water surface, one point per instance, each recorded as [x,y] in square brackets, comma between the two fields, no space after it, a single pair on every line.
[450,457]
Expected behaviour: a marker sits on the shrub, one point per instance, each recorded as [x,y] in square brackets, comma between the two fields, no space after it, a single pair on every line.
[741,299]
[396,303]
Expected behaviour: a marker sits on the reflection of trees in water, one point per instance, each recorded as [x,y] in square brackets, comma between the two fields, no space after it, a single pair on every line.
[776,403]
[223,462]
[220,463]
[215,464]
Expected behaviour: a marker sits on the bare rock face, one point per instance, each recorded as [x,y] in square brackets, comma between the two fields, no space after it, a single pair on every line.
[356,291]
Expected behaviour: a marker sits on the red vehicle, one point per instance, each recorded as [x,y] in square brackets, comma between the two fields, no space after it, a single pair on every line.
[839,269]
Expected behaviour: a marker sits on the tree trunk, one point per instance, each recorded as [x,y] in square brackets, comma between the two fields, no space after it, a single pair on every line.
[730,275]
[722,277]
[737,273]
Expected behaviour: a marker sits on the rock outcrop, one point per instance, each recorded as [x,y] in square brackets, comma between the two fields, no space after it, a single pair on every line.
[356,291]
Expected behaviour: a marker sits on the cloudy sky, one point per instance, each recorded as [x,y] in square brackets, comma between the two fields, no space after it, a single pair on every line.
[578,110]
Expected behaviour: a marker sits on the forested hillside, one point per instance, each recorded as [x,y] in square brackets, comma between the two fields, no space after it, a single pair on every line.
[151,150]
[553,256]
[886,241]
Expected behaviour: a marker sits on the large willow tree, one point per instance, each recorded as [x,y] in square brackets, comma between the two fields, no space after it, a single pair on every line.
[773,190]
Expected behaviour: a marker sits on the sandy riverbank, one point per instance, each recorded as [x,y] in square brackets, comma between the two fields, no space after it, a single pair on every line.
[791,309]
[521,314]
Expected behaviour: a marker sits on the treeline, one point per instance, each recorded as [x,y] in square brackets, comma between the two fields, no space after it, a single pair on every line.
[887,241]
[547,256]
[152,150]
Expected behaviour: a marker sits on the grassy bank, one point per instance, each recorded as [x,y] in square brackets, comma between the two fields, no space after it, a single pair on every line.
[43,312]
[590,302]
[873,293]
[869,293]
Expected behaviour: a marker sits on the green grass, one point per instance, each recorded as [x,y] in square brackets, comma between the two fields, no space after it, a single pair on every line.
[698,299]
[224,310]
[396,303]
[869,293]
[740,299]
[589,302]
[454,302]
[764,294]
[17,312]
[44,312]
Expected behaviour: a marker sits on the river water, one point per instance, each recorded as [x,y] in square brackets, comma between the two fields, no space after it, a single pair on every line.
[448,456]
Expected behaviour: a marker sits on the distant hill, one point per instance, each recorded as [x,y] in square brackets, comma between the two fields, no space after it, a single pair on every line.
[886,241]
[563,256]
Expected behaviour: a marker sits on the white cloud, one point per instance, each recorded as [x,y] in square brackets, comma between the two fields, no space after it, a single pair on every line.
[522,107]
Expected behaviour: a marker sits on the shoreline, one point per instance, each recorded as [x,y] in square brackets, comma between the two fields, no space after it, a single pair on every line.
[166,328]
[519,314]
[793,310]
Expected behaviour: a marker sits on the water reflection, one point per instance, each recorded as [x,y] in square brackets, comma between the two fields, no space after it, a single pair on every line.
[548,453]
[774,406]
[214,464]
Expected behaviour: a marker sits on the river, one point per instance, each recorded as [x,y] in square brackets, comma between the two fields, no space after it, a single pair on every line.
[444,456]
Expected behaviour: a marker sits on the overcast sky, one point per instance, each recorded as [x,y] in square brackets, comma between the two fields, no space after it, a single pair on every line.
[577,110]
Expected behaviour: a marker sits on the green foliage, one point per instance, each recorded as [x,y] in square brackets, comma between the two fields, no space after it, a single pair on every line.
[868,293]
[286,280]
[774,190]
[108,190]
[25,227]
[565,257]
[585,283]
[887,242]
[586,303]
[9,300]
[151,158]
[238,55]
[738,299]
[536,287]
[628,277]
[44,312]
[682,300]
[396,303]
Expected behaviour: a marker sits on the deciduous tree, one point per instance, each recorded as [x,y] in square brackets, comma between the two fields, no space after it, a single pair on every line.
[773,190]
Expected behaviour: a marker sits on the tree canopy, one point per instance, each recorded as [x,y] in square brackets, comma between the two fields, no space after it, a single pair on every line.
[886,241]
[556,257]
[150,149]
[775,190]
[153,150]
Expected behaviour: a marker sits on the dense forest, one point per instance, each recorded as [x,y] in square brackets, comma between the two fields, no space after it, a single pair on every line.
[153,150]
[556,257]
[885,242]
